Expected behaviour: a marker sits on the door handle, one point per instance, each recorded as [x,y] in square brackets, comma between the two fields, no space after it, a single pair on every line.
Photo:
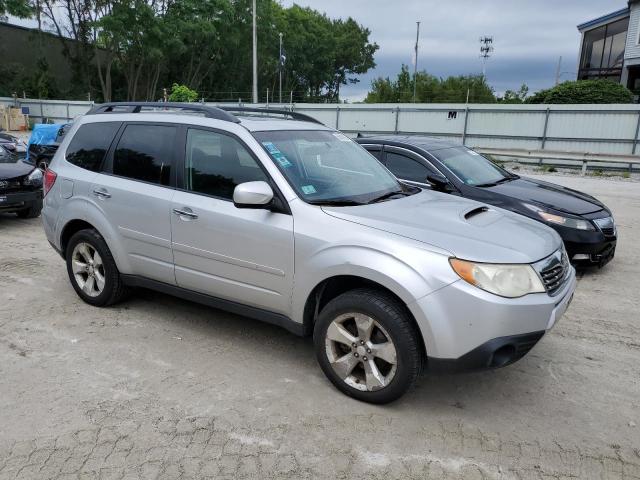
[185,212]
[101,193]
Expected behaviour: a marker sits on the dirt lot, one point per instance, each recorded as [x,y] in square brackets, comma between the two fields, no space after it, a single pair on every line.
[162,388]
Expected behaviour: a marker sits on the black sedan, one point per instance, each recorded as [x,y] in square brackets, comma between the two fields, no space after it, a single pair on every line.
[20,186]
[585,224]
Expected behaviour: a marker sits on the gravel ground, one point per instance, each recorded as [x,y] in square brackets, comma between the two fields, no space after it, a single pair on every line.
[161,388]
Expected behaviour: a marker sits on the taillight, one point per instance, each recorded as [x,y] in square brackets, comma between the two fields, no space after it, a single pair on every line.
[49,179]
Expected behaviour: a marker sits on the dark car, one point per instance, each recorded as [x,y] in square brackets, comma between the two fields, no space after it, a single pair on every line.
[44,143]
[585,224]
[20,186]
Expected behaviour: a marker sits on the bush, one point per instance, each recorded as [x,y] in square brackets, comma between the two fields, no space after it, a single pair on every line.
[584,91]
[182,93]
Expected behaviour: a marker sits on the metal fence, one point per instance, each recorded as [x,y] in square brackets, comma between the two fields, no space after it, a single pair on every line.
[590,129]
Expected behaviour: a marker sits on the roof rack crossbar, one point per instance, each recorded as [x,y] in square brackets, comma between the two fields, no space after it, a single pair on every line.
[293,115]
[136,107]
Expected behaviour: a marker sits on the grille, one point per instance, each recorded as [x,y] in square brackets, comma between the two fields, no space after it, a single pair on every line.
[9,185]
[606,226]
[555,273]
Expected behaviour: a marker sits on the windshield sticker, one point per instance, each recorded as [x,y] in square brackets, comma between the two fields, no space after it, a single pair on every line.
[341,137]
[282,160]
[271,148]
[308,189]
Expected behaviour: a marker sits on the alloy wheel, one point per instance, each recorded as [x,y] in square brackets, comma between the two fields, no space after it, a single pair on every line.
[88,269]
[361,352]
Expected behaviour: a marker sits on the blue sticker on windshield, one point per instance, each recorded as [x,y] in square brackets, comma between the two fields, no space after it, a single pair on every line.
[282,160]
[308,189]
[271,148]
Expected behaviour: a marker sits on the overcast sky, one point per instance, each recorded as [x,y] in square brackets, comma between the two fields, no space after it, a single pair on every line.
[529,36]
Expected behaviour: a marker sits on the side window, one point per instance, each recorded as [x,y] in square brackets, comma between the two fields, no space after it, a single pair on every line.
[376,153]
[90,144]
[406,168]
[216,163]
[144,152]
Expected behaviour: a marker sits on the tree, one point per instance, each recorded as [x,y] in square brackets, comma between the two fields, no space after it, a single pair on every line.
[17,8]
[430,89]
[182,93]
[584,91]
[519,96]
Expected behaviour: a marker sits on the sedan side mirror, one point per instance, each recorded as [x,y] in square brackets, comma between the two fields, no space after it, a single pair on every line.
[252,195]
[439,181]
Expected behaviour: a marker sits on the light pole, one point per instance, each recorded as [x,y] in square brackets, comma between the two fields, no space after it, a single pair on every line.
[415,65]
[255,56]
[280,68]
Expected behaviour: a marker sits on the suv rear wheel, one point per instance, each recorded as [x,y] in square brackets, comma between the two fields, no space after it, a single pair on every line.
[367,346]
[92,270]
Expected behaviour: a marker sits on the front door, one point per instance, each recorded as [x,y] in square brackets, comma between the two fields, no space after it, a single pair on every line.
[243,255]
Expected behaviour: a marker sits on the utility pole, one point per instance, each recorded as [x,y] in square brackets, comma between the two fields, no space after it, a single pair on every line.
[486,48]
[558,70]
[415,63]
[255,56]
[280,65]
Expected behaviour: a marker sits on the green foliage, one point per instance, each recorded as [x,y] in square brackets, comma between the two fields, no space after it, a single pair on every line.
[584,91]
[132,49]
[182,93]
[17,8]
[519,96]
[430,89]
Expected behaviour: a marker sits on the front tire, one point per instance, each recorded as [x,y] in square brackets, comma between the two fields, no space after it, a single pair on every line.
[92,269]
[367,345]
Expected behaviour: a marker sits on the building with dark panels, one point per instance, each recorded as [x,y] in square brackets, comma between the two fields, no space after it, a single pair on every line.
[610,47]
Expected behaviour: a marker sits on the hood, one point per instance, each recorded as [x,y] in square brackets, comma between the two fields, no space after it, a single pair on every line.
[14,169]
[469,230]
[548,195]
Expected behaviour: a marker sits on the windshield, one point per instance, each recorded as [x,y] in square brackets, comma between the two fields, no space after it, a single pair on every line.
[471,167]
[6,156]
[327,167]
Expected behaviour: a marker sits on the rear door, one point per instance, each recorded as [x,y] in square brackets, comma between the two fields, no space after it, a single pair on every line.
[238,254]
[134,192]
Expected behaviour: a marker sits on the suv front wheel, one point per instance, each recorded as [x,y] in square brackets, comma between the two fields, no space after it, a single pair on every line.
[367,346]
[92,269]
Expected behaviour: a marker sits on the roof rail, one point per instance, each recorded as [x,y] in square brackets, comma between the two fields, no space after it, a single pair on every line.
[136,107]
[267,111]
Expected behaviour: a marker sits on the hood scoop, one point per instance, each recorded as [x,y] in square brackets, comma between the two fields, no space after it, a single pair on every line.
[475,211]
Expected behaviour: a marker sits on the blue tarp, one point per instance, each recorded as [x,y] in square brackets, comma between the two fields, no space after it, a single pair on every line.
[44,134]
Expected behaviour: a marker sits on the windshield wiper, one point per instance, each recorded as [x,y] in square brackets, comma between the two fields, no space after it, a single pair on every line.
[493,184]
[389,195]
[335,203]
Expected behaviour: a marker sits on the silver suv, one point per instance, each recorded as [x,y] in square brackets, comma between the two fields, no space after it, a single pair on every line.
[272,215]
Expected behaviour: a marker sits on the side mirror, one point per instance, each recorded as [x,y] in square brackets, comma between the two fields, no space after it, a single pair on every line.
[252,195]
[439,181]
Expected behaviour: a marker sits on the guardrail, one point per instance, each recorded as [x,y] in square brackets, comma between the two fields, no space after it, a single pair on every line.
[584,158]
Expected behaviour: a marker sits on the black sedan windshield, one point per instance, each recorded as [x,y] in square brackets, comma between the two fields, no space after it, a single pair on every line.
[471,167]
[326,167]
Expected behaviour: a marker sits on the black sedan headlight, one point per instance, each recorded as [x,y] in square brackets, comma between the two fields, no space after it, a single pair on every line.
[34,179]
[569,222]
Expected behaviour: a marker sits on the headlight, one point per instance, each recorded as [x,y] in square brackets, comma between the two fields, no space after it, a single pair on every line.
[34,178]
[569,222]
[506,280]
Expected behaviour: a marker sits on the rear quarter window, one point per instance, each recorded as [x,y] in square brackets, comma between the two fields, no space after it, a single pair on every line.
[90,144]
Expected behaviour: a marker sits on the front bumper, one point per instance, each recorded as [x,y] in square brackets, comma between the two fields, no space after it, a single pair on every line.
[15,201]
[588,247]
[465,328]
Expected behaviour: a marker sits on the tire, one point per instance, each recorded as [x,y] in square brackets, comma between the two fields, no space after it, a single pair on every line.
[30,212]
[385,319]
[107,287]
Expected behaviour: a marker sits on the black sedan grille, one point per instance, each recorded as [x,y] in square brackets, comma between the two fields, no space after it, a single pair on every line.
[606,226]
[553,276]
[11,185]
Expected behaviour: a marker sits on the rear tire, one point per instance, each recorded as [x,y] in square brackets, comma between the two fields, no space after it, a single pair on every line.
[367,346]
[92,269]
[30,212]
